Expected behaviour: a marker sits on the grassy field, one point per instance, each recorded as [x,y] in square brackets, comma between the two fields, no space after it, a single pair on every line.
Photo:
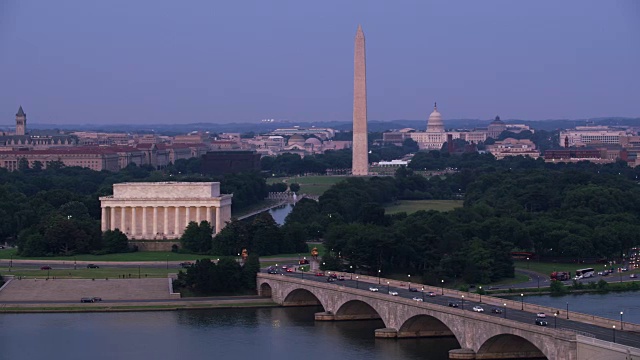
[133,256]
[547,268]
[311,185]
[411,206]
[84,273]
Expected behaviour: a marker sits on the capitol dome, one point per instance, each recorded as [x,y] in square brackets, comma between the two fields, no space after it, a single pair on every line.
[435,124]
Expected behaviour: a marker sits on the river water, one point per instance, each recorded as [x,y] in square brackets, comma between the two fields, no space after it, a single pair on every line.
[280,213]
[265,333]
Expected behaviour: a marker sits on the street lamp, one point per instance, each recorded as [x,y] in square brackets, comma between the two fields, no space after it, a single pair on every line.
[423,294]
[442,286]
[614,334]
[567,310]
[379,276]
[138,271]
[462,302]
[409,281]
[301,272]
[522,301]
[480,292]
[505,310]
[555,320]
[351,271]
[11,263]
[357,282]
[387,287]
[527,263]
[621,326]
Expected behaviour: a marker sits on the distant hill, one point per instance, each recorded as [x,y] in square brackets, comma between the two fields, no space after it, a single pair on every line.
[373,125]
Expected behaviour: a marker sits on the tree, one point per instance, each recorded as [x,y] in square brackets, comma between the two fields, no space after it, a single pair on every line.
[115,241]
[250,269]
[294,187]
[197,237]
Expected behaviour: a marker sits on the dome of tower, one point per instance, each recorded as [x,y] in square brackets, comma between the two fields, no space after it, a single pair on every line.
[296,140]
[435,124]
[497,121]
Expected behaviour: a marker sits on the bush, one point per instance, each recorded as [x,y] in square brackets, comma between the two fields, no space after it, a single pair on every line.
[603,285]
[557,288]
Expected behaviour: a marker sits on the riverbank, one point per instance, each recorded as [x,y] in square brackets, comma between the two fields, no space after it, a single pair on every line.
[13,308]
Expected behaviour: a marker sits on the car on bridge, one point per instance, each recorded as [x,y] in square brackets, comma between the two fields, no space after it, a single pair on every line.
[415,298]
[183,265]
[431,294]
[496,311]
[46,267]
[330,279]
[86,300]
[477,308]
[453,304]
[373,289]
[290,269]
[341,277]
[96,299]
[541,322]
[272,270]
[393,293]
[92,266]
[633,276]
[319,273]
[541,315]
[413,289]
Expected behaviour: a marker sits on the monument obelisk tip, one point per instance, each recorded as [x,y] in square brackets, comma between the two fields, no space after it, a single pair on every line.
[360,162]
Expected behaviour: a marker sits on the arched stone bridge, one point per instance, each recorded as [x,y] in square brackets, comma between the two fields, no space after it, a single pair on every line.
[480,336]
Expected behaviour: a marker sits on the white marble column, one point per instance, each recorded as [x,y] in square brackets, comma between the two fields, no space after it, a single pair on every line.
[198,219]
[103,219]
[186,217]
[144,222]
[176,228]
[155,221]
[123,211]
[133,221]
[112,218]
[208,215]
[218,219]
[166,220]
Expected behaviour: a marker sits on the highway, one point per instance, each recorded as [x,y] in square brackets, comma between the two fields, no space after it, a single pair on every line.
[621,337]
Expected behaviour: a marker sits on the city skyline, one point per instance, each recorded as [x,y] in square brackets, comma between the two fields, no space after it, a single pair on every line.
[148,63]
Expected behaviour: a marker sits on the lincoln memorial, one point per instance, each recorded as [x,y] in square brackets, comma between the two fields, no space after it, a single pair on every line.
[162,210]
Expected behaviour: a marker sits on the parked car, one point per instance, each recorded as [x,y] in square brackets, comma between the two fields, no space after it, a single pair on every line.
[319,273]
[96,299]
[330,279]
[431,294]
[541,322]
[93,266]
[393,293]
[86,300]
[633,276]
[373,289]
[413,289]
[453,304]
[478,308]
[303,262]
[496,311]
[417,299]
[186,264]
[541,315]
[46,267]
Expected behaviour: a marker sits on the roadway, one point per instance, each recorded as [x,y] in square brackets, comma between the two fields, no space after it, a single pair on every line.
[621,337]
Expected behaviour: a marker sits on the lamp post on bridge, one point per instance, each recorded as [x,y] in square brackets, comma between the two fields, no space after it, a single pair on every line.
[388,287]
[351,271]
[505,310]
[462,302]
[567,310]
[480,293]
[521,301]
[614,334]
[423,294]
[621,326]
[555,320]
[409,281]
[442,286]
[357,282]
[379,271]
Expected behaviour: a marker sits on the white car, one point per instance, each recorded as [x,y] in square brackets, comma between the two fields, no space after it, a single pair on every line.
[478,308]
[541,315]
[373,289]
[417,299]
[393,293]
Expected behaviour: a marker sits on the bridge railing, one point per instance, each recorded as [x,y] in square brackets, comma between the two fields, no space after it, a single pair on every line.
[499,302]
[629,351]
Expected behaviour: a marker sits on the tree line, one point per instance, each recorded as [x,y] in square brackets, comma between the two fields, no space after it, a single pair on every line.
[564,211]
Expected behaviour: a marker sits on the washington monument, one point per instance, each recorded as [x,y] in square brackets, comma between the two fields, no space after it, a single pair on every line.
[360,162]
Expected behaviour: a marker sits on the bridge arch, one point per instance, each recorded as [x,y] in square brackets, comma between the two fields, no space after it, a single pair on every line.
[265,290]
[424,326]
[510,346]
[357,310]
[299,297]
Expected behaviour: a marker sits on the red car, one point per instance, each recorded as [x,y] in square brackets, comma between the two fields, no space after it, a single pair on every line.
[319,273]
[46,267]
[289,269]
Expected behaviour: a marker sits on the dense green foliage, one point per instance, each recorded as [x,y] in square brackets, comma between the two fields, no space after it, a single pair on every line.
[56,211]
[568,211]
[197,238]
[226,277]
[261,236]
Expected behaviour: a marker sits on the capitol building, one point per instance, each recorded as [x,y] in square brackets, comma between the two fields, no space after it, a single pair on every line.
[435,135]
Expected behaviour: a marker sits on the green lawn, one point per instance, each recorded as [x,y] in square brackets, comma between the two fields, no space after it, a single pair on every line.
[547,268]
[84,273]
[311,185]
[133,256]
[411,206]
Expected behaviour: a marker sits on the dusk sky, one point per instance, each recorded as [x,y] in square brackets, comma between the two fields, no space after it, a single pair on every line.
[173,62]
